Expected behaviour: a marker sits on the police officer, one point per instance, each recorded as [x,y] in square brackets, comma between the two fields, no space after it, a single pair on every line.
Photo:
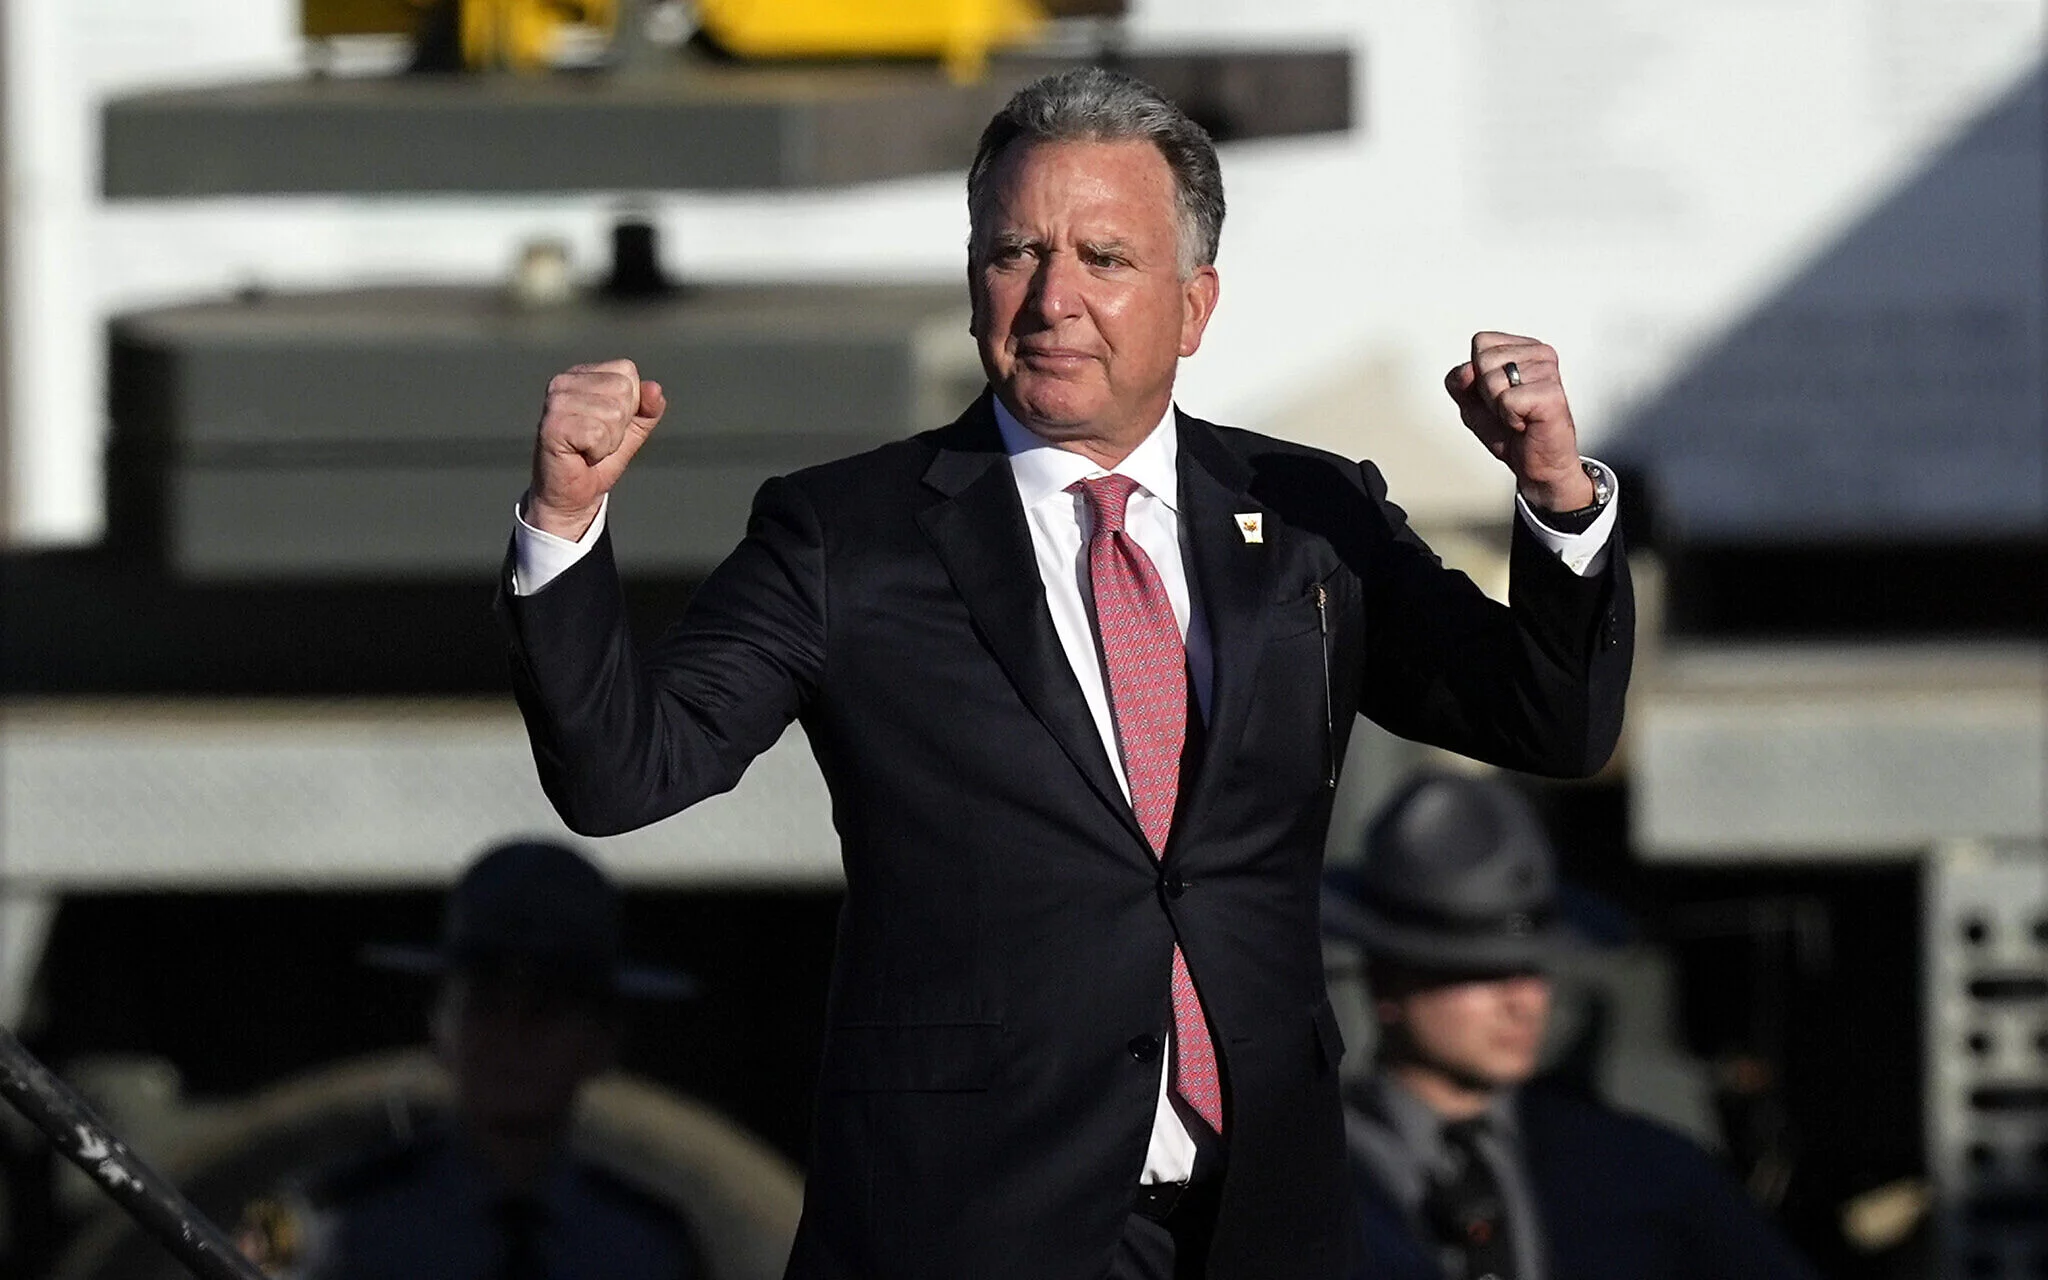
[1462,1169]
[530,981]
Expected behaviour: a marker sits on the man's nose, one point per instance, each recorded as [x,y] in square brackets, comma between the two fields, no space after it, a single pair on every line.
[1528,991]
[1055,292]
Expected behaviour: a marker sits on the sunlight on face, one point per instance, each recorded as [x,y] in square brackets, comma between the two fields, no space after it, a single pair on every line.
[1080,307]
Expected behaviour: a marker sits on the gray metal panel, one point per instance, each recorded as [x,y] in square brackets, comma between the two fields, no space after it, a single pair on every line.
[402,521]
[697,126]
[1745,753]
[385,433]
[701,127]
[1986,916]
[409,365]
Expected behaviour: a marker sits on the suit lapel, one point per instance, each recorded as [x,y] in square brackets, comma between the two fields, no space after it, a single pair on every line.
[1234,579]
[980,536]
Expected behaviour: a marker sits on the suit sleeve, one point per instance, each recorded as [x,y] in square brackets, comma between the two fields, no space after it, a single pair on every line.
[621,739]
[1536,685]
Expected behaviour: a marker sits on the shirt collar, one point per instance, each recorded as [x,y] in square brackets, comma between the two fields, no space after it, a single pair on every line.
[1421,1129]
[1043,470]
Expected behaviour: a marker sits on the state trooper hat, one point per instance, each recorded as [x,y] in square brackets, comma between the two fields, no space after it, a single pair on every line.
[1458,876]
[541,909]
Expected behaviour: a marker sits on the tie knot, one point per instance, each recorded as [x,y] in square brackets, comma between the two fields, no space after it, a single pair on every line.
[1107,497]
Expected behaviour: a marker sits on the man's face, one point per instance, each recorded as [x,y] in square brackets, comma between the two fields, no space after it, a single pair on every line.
[1079,304]
[519,1049]
[1481,1031]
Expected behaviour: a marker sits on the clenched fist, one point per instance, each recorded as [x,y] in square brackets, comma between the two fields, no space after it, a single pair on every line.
[595,419]
[1524,420]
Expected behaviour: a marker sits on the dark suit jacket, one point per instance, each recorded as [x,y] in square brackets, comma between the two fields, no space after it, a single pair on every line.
[999,995]
[1620,1199]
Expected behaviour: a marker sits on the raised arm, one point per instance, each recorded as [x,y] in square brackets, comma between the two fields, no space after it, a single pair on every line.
[621,740]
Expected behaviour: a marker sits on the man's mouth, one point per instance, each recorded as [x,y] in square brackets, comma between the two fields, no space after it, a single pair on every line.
[1054,356]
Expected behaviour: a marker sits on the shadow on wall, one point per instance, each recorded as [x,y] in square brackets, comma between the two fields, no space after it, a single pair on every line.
[1892,391]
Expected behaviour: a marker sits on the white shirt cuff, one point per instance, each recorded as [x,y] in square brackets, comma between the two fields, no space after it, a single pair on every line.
[1584,553]
[539,557]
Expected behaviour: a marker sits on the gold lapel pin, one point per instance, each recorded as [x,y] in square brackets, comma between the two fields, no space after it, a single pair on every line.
[1248,525]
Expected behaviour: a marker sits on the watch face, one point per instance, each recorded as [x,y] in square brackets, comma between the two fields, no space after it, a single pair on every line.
[1603,485]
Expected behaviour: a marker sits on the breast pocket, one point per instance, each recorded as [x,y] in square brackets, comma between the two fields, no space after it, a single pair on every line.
[1302,630]
[911,1057]
[1300,611]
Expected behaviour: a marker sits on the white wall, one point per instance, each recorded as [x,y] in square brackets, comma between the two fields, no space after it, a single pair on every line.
[1619,178]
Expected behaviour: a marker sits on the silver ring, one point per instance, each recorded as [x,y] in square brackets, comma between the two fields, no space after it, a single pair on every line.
[1514,374]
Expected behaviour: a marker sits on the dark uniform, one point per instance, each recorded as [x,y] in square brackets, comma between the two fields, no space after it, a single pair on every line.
[531,974]
[1459,885]
[1607,1196]
[425,1211]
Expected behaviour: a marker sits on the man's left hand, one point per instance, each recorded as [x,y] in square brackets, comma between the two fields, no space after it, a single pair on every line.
[1525,423]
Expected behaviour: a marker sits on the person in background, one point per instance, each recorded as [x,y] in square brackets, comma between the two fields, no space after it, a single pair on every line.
[526,1013]
[1462,1168]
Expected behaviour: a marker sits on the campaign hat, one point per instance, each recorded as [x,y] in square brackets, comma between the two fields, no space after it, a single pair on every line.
[538,908]
[1458,875]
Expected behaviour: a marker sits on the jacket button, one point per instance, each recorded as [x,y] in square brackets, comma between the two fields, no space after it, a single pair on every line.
[1172,884]
[1144,1047]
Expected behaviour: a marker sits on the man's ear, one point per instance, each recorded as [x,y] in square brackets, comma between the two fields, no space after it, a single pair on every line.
[1198,294]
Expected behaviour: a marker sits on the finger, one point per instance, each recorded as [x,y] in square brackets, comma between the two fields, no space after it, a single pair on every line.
[1473,408]
[629,445]
[613,387]
[1490,340]
[570,404]
[653,402]
[1524,355]
[1519,407]
[625,369]
[1535,372]
[591,438]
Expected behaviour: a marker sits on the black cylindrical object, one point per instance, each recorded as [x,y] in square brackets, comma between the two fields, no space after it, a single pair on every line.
[80,1136]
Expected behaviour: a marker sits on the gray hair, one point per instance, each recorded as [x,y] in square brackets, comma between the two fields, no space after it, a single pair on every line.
[1092,104]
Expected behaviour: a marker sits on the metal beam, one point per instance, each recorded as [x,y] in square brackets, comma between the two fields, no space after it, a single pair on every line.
[1838,752]
[125,795]
[698,126]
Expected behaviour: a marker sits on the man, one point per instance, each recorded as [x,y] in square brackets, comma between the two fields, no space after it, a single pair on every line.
[1461,1171]
[1078,671]
[527,1012]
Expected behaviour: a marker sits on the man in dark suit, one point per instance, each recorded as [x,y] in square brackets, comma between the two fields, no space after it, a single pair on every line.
[1078,670]
[1464,1170]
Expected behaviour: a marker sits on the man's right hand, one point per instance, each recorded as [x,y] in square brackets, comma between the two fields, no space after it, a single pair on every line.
[595,419]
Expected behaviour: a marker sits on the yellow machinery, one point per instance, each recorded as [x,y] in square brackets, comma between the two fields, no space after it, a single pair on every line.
[957,32]
[520,34]
[517,34]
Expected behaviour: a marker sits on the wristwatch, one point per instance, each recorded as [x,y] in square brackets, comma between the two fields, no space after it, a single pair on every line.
[1578,521]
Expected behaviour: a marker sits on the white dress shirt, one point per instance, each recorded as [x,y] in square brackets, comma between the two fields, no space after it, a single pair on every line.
[1060,524]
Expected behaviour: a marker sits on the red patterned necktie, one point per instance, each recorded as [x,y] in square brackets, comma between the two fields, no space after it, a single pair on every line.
[1146,662]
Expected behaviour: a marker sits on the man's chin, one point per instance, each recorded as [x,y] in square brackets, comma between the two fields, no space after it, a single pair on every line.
[1055,411]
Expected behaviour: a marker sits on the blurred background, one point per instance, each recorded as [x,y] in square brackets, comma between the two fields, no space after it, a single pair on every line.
[282,281]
